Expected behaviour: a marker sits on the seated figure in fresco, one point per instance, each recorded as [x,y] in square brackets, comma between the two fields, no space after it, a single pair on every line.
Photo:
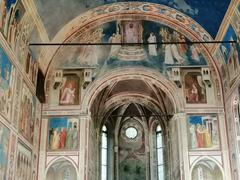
[132,31]
[131,34]
[68,94]
[193,94]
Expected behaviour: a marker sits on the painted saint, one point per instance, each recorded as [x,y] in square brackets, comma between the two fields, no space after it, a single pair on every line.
[69,91]
[152,48]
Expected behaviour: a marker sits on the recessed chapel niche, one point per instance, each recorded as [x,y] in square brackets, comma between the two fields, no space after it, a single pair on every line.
[61,169]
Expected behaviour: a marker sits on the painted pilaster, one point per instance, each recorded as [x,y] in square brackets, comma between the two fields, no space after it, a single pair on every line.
[42,151]
[183,145]
[224,147]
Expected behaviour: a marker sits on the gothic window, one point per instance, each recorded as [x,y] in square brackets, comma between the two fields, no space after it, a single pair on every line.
[159,150]
[104,154]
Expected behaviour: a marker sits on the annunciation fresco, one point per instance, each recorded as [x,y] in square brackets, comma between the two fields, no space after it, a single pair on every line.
[69,93]
[63,133]
[203,132]
[161,57]
[6,84]
[4,146]
[195,90]
[195,9]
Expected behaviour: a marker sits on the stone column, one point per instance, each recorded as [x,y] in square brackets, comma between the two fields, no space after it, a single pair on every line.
[116,174]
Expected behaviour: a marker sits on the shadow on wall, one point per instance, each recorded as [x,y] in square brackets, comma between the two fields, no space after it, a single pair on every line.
[62,170]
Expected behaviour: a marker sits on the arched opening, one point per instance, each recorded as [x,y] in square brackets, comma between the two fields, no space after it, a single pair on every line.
[206,169]
[129,143]
[133,132]
[61,169]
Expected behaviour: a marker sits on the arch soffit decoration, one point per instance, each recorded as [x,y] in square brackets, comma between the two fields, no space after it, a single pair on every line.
[55,160]
[149,76]
[207,158]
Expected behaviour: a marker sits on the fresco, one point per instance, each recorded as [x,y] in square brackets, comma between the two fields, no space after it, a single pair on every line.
[24,162]
[18,31]
[195,90]
[62,169]
[17,100]
[69,93]
[6,84]
[195,9]
[206,170]
[31,68]
[12,152]
[27,114]
[37,125]
[131,157]
[11,13]
[63,133]
[230,52]
[203,132]
[161,57]
[4,145]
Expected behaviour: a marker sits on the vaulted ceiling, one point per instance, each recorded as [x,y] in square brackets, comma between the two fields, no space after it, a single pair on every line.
[56,13]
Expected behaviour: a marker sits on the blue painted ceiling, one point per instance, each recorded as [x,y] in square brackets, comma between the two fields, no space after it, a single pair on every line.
[56,13]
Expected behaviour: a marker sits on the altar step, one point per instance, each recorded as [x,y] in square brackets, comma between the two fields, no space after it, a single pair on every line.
[132,53]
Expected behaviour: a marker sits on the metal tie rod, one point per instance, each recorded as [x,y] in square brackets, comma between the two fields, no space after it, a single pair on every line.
[117,44]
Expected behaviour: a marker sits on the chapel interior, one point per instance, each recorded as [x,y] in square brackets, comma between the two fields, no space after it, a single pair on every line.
[119,90]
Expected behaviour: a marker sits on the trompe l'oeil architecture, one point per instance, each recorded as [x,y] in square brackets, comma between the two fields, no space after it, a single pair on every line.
[118,90]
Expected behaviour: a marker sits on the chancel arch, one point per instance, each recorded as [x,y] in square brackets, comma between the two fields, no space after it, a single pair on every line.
[131,118]
[122,78]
